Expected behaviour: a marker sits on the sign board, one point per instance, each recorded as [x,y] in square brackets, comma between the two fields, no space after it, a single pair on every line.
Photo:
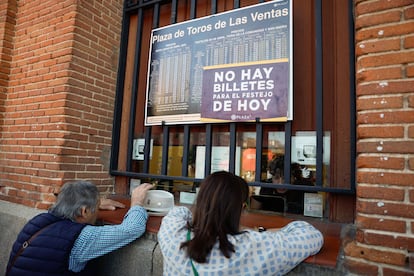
[138,149]
[231,66]
[313,205]
[304,148]
[219,160]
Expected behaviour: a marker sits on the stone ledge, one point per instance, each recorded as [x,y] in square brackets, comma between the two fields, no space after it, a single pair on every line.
[141,257]
[12,219]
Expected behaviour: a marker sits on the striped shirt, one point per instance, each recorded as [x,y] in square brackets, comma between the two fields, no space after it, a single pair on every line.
[95,241]
[256,253]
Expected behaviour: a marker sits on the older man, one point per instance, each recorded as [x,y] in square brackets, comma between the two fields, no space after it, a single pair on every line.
[63,240]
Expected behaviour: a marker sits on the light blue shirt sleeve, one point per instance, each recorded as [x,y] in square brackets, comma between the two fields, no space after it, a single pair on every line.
[95,241]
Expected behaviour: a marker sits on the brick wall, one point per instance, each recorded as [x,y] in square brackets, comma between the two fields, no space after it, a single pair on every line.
[57,94]
[7,14]
[385,130]
[57,86]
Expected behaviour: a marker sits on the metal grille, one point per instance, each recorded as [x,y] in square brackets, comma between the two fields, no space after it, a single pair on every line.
[137,8]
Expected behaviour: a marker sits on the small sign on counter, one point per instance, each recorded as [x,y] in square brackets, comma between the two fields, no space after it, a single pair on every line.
[313,205]
[187,198]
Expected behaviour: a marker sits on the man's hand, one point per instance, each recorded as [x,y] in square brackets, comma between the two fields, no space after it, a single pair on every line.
[139,193]
[109,204]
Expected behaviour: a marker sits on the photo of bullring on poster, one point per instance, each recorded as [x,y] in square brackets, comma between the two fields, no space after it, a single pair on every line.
[232,66]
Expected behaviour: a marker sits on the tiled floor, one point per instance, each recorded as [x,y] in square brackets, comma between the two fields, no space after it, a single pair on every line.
[331,231]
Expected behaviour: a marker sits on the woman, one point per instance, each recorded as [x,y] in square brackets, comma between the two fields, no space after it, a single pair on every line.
[211,242]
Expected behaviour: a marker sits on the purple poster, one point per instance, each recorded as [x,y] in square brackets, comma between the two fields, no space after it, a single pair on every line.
[246,92]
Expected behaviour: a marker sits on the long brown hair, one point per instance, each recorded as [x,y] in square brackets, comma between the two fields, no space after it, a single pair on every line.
[216,214]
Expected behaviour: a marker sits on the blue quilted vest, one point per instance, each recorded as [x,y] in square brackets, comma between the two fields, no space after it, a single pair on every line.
[48,253]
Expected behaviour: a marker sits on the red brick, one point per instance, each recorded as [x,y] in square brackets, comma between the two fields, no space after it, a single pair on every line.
[386,208]
[404,28]
[383,224]
[380,74]
[380,5]
[378,19]
[375,255]
[411,101]
[409,71]
[388,58]
[403,242]
[380,192]
[411,163]
[380,132]
[359,236]
[403,147]
[408,42]
[387,117]
[361,268]
[398,178]
[409,13]
[399,272]
[386,87]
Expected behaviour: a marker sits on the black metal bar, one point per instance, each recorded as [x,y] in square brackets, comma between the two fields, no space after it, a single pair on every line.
[147,148]
[134,91]
[186,145]
[213,6]
[165,145]
[174,6]
[119,97]
[209,142]
[193,9]
[319,92]
[259,149]
[288,152]
[304,188]
[262,184]
[156,176]
[142,4]
[156,13]
[236,4]
[232,157]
